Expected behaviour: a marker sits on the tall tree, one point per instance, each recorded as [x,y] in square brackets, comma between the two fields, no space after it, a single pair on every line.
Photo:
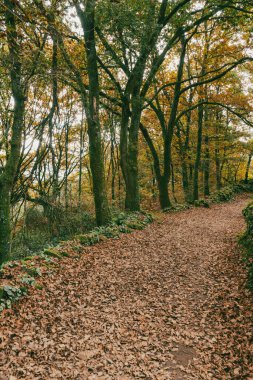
[18,89]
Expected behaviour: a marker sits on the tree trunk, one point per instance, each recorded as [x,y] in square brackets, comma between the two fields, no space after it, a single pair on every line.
[66,165]
[162,180]
[87,18]
[217,170]
[5,229]
[217,154]
[198,153]
[9,171]
[132,201]
[207,153]
[80,163]
[130,150]
[164,198]
[113,166]
[206,167]
[173,182]
[185,182]
[247,169]
[183,151]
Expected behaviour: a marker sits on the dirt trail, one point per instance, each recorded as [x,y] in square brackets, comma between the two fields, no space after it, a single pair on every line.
[165,303]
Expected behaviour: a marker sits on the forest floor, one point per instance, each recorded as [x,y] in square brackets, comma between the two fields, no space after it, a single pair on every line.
[168,302]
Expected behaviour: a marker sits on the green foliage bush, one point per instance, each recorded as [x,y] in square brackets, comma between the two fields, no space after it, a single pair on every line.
[73,222]
[243,187]
[26,244]
[227,193]
[35,218]
[202,203]
[107,231]
[124,229]
[32,271]
[10,294]
[177,207]
[123,222]
[40,232]
[88,239]
[52,253]
[223,195]
[28,280]
[247,241]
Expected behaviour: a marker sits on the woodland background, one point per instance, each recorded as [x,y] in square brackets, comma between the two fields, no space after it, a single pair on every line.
[111,105]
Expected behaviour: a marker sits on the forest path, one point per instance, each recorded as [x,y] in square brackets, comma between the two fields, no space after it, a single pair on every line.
[165,303]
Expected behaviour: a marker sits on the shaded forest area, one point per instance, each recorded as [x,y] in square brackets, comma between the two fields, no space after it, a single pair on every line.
[120,104]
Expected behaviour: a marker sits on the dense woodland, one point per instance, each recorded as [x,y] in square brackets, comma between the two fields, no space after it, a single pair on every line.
[118,104]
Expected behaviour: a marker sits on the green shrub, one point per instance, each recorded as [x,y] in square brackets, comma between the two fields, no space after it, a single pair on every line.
[33,271]
[52,253]
[74,221]
[124,229]
[108,231]
[247,241]
[29,244]
[28,280]
[120,218]
[177,207]
[202,203]
[223,195]
[135,225]
[35,218]
[10,294]
[88,239]
[243,187]
[248,215]
[40,232]
[122,223]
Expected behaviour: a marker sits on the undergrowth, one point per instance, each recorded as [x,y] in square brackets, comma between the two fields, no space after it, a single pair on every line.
[38,231]
[225,194]
[123,222]
[246,240]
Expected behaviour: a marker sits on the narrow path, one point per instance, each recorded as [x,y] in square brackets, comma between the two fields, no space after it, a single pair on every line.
[165,303]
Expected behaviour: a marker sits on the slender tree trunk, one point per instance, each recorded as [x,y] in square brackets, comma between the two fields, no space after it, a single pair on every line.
[5,229]
[87,18]
[125,115]
[130,136]
[191,170]
[153,182]
[172,119]
[247,168]
[173,182]
[113,166]
[66,165]
[132,201]
[217,170]
[80,163]
[217,154]
[198,153]
[183,150]
[207,152]
[206,167]
[185,182]
[9,171]
[202,112]
[162,180]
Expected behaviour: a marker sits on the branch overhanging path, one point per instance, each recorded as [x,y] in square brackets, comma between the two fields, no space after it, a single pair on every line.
[165,303]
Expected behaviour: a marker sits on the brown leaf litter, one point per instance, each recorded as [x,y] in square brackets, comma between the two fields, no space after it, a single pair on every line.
[168,302]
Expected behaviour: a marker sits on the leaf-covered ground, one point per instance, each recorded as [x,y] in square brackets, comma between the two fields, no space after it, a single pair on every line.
[165,303]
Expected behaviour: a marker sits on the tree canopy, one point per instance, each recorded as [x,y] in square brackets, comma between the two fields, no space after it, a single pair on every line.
[120,104]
